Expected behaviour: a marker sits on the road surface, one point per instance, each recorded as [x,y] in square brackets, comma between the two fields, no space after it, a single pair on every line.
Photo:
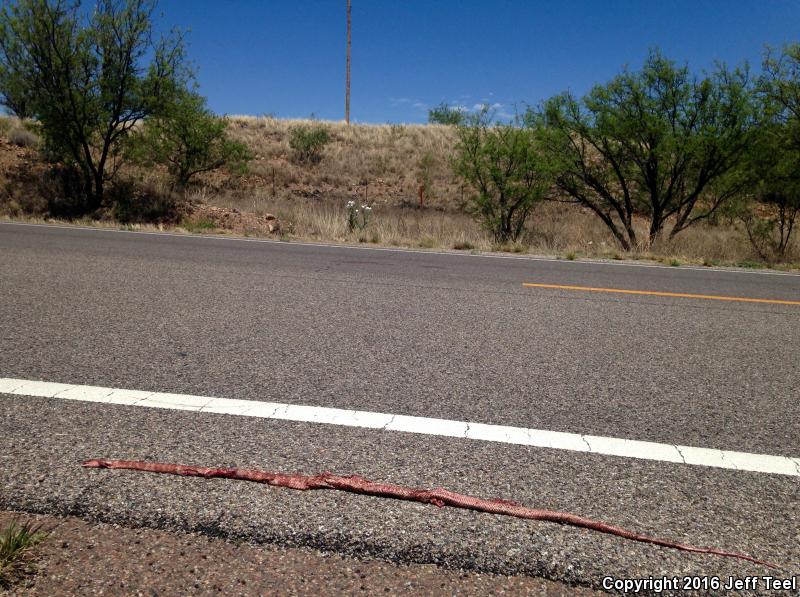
[436,336]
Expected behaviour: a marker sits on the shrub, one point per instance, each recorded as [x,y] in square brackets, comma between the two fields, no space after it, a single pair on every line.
[22,137]
[200,225]
[503,164]
[308,141]
[189,139]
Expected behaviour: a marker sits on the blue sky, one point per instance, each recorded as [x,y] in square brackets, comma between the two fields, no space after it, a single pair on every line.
[288,58]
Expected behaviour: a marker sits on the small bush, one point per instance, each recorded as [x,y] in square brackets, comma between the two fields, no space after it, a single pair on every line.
[199,225]
[307,142]
[427,242]
[510,247]
[22,137]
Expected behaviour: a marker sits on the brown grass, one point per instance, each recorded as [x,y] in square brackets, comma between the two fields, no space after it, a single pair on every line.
[388,162]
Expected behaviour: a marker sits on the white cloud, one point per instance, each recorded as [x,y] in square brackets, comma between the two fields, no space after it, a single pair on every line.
[493,106]
[398,102]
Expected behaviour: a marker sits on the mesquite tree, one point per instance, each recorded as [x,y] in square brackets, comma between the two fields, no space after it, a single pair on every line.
[773,162]
[656,143]
[503,164]
[188,138]
[87,76]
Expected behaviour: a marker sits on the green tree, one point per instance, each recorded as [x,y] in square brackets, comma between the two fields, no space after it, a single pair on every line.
[89,76]
[780,83]
[188,138]
[445,114]
[772,168]
[15,95]
[505,167]
[658,142]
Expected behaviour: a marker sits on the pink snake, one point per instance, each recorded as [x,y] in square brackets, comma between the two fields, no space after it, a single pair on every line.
[438,497]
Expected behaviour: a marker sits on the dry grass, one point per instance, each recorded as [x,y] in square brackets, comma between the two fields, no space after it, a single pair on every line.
[386,165]
[22,137]
[554,229]
[18,133]
[389,162]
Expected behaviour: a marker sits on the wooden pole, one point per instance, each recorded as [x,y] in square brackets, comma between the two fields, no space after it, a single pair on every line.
[347,85]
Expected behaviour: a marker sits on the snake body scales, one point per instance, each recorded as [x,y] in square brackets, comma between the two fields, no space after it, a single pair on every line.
[438,497]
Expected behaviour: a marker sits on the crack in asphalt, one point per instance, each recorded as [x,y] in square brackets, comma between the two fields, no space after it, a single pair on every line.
[142,399]
[389,422]
[680,454]
[586,441]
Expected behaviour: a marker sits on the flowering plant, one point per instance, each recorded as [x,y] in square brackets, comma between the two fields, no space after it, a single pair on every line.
[357,218]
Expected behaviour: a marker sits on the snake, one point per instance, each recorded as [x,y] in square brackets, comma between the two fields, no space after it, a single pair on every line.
[438,497]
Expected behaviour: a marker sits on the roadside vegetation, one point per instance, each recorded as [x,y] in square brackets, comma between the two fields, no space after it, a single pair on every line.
[106,126]
[16,541]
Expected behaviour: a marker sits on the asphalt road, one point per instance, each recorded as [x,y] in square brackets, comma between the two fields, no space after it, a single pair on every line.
[454,336]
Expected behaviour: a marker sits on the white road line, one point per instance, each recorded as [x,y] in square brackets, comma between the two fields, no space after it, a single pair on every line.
[540,438]
[588,261]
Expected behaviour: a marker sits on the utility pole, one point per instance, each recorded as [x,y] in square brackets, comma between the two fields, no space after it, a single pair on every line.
[347,89]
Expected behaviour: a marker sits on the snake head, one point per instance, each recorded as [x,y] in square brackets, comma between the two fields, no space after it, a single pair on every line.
[95,463]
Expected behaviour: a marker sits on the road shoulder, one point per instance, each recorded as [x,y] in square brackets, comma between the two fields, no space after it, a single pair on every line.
[86,558]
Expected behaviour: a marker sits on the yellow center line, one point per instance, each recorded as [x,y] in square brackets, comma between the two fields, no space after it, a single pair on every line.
[669,294]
